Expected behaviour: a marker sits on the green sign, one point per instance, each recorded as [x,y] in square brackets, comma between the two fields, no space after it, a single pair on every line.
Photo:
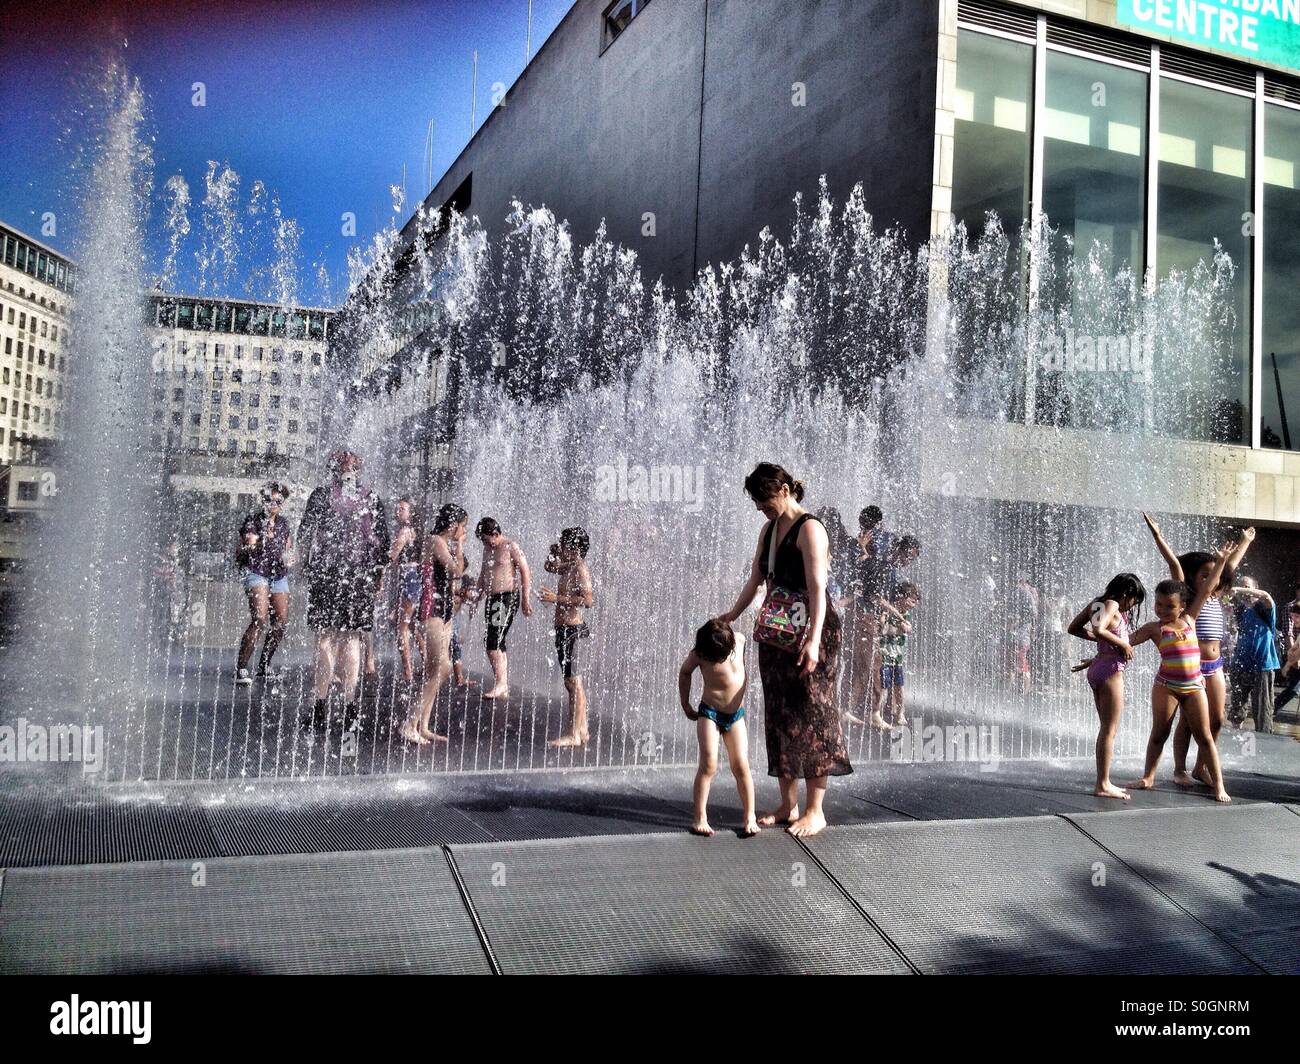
[1266,30]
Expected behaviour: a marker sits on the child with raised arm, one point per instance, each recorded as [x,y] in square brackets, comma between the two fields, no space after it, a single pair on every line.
[1107,621]
[1179,684]
[719,654]
[1211,629]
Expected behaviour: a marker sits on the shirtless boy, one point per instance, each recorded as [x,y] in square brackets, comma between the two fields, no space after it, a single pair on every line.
[719,654]
[571,597]
[504,581]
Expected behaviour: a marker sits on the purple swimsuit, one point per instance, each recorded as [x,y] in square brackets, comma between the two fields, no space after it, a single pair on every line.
[1109,659]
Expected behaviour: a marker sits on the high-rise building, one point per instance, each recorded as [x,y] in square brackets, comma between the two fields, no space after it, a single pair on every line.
[36,290]
[236,392]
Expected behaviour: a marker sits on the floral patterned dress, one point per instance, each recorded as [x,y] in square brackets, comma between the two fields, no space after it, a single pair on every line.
[801,717]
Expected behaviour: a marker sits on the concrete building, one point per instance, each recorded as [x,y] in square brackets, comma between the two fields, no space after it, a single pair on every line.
[36,289]
[1154,126]
[235,401]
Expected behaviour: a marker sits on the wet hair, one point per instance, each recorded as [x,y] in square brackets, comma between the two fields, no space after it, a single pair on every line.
[1195,560]
[715,641]
[339,457]
[577,539]
[1126,585]
[449,516]
[837,534]
[909,543]
[487,526]
[271,488]
[767,480]
[869,518]
[906,589]
[1176,587]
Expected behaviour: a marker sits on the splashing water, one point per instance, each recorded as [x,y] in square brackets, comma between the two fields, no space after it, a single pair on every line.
[542,382]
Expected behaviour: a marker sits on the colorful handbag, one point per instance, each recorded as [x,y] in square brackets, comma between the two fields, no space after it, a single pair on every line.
[782,620]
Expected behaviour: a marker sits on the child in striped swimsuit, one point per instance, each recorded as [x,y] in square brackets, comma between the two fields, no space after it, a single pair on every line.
[1195,567]
[1179,684]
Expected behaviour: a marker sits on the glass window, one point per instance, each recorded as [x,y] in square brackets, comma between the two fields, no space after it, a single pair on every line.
[991,149]
[1205,195]
[1280,407]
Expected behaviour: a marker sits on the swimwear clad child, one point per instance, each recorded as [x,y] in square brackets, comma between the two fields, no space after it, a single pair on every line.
[719,654]
[1179,684]
[1107,621]
[895,627]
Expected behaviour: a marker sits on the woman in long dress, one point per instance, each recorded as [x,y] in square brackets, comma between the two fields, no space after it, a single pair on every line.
[801,718]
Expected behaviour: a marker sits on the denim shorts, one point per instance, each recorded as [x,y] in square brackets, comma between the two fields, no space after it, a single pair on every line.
[279,586]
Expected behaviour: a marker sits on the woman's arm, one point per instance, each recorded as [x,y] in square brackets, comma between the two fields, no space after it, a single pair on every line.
[814,547]
[1166,552]
[752,585]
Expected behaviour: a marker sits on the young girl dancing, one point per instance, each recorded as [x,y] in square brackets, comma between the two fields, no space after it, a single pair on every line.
[1194,567]
[1179,684]
[1107,621]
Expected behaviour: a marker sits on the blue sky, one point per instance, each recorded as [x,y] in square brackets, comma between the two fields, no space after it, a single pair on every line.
[323,101]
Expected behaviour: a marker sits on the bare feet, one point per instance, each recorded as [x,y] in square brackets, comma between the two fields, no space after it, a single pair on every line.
[701,827]
[1109,790]
[750,829]
[1222,796]
[1183,778]
[467,682]
[497,692]
[807,825]
[853,720]
[902,722]
[567,740]
[1142,784]
[783,815]
[409,734]
[432,736]
[879,722]
[1203,775]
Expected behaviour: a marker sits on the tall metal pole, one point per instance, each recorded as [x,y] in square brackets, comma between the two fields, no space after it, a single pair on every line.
[473,96]
[528,42]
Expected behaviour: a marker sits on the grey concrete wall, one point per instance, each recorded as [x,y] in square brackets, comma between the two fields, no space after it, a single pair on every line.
[594,135]
[868,68]
[615,135]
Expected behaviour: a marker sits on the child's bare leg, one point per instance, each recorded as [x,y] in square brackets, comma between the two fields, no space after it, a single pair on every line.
[737,740]
[500,687]
[879,698]
[1182,743]
[1110,703]
[899,714]
[437,658]
[1196,712]
[1163,707]
[707,734]
[1216,694]
[788,811]
[577,734]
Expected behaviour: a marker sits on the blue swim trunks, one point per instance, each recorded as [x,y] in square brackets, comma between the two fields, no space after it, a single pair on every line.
[724,721]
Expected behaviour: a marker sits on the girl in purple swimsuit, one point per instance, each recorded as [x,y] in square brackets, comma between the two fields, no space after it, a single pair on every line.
[1107,621]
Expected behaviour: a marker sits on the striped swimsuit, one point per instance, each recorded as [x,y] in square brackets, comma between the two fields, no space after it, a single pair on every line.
[1180,660]
[1209,625]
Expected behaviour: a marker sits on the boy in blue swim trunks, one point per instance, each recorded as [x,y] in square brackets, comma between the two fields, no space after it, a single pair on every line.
[719,654]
